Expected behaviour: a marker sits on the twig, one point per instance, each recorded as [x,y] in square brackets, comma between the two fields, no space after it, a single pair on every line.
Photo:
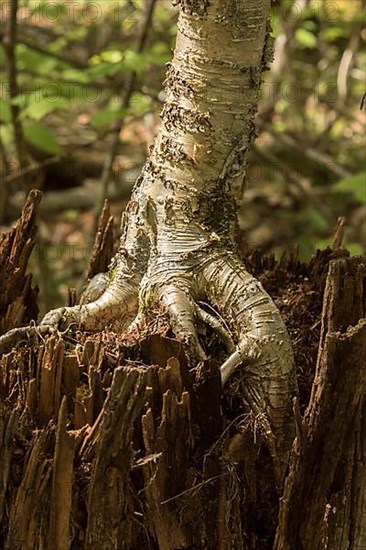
[77,63]
[338,236]
[16,336]
[10,41]
[192,489]
[30,169]
[125,101]
[363,100]
[5,167]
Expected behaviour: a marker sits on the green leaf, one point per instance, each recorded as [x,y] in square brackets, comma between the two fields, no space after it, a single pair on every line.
[322,244]
[105,69]
[106,117]
[5,114]
[57,45]
[332,34]
[41,136]
[112,56]
[76,75]
[356,185]
[29,59]
[139,103]
[355,249]
[305,38]
[39,109]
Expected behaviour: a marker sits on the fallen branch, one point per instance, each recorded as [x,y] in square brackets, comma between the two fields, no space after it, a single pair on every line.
[77,198]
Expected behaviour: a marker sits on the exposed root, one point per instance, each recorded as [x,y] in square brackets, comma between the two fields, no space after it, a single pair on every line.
[262,349]
[117,305]
[177,301]
[18,336]
[247,350]
[215,324]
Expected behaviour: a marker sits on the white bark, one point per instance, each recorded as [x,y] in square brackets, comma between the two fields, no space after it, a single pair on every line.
[177,245]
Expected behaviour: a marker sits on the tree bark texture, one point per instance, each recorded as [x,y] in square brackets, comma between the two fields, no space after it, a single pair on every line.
[18,300]
[327,467]
[177,251]
[152,455]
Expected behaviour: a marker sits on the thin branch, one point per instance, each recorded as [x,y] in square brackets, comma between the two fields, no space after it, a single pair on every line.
[17,336]
[79,64]
[363,100]
[124,104]
[10,42]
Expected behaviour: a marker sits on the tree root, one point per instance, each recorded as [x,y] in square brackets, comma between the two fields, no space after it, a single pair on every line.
[18,336]
[219,279]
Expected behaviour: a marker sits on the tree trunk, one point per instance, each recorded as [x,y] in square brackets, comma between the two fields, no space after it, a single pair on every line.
[177,251]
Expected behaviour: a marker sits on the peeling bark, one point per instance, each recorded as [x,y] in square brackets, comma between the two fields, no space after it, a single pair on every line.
[177,246]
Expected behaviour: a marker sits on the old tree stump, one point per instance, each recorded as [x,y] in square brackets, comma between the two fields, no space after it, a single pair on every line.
[109,442]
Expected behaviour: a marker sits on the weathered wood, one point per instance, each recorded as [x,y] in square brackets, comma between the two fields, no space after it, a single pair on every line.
[114,465]
[17,298]
[97,274]
[51,357]
[103,248]
[29,511]
[327,473]
[8,426]
[109,499]
[171,440]
[62,481]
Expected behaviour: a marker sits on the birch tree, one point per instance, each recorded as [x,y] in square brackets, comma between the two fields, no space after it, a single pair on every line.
[177,248]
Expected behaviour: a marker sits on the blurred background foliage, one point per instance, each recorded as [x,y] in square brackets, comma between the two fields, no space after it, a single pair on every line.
[81,92]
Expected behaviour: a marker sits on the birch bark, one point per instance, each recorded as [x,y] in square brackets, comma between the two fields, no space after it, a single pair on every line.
[177,246]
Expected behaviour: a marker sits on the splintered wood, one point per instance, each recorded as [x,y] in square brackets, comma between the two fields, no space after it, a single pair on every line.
[116,444]
[327,467]
[17,297]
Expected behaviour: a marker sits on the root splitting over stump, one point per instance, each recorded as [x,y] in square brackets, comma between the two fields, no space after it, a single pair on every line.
[177,245]
[163,462]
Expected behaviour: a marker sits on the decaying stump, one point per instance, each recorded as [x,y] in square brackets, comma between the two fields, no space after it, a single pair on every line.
[108,441]
[18,300]
[327,478]
[103,249]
